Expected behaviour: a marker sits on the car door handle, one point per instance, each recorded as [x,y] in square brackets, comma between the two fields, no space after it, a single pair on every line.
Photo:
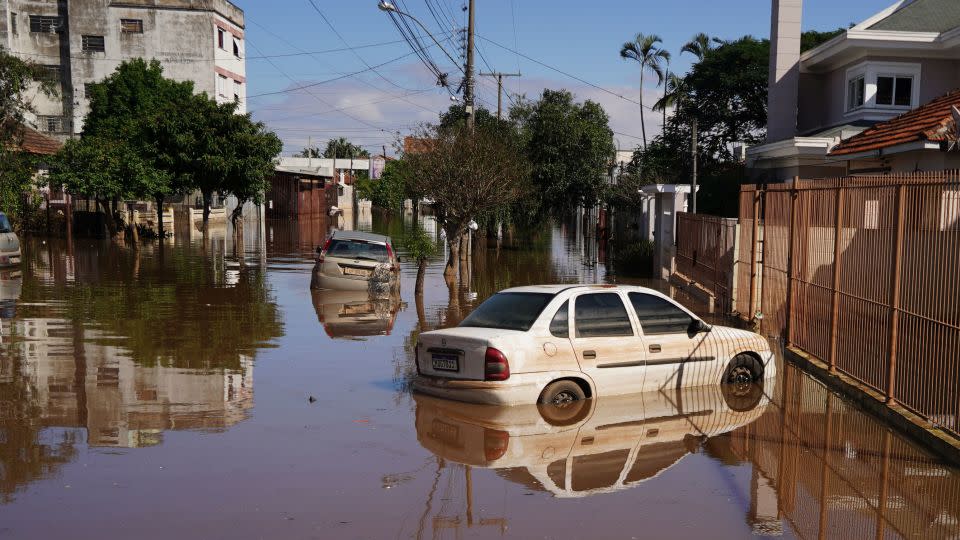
[655,348]
[589,355]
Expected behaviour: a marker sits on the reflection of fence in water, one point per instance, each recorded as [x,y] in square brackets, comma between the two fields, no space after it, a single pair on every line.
[861,273]
[837,472]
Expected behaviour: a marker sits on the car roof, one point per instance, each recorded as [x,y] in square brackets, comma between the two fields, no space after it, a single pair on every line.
[361,235]
[558,288]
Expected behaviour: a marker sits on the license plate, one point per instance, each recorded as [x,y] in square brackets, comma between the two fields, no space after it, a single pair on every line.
[348,271]
[445,432]
[446,362]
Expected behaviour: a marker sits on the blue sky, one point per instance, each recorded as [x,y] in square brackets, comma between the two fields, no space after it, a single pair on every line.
[582,38]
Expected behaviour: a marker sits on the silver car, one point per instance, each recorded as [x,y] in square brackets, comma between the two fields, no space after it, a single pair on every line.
[9,244]
[350,260]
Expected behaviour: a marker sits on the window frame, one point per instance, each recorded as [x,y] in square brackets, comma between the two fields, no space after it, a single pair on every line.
[895,77]
[221,39]
[85,42]
[57,120]
[871,72]
[51,22]
[668,301]
[138,29]
[564,306]
[14,29]
[852,90]
[575,330]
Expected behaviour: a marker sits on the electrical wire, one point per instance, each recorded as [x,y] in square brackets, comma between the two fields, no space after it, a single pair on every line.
[572,76]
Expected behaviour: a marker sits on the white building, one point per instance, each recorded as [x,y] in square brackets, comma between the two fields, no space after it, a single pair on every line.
[83,41]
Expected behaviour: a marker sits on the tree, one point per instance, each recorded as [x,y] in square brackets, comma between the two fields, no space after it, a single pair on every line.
[19,81]
[644,50]
[419,247]
[108,170]
[140,109]
[569,146]
[391,189]
[254,152]
[311,152]
[699,45]
[342,148]
[467,173]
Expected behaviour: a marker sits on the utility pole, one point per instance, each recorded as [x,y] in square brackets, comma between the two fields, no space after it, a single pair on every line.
[693,180]
[499,77]
[468,85]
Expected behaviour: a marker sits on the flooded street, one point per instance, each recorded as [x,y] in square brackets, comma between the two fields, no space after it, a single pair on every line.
[203,391]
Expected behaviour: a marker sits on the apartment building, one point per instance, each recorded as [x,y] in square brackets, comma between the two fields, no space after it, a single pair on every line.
[82,41]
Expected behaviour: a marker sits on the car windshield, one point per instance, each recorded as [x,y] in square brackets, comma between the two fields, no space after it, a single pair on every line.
[4,224]
[508,311]
[358,249]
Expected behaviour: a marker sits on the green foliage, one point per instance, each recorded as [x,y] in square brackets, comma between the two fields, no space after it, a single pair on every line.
[391,189]
[16,184]
[105,169]
[342,148]
[635,259]
[569,146]
[812,39]
[419,245]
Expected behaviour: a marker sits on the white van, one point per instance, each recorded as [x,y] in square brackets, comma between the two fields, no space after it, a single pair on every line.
[9,244]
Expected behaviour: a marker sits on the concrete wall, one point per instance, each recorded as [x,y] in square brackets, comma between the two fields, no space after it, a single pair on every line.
[180,33]
[785,23]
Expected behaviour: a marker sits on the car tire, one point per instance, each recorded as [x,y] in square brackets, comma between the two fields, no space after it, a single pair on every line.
[739,384]
[561,393]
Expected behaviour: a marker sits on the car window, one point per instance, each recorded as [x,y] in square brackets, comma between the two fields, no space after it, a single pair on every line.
[658,315]
[601,315]
[560,325]
[509,311]
[4,224]
[355,249]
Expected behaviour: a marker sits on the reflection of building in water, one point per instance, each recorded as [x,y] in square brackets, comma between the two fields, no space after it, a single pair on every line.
[84,381]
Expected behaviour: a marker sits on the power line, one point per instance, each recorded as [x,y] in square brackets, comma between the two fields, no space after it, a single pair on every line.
[572,76]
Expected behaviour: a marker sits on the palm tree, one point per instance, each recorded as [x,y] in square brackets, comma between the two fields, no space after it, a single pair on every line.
[700,45]
[644,50]
[674,91]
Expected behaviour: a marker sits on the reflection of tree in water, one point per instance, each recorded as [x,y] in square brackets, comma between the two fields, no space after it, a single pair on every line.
[176,308]
[25,456]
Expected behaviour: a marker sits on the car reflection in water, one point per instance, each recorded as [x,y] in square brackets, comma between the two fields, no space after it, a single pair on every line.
[350,314]
[600,445]
[11,285]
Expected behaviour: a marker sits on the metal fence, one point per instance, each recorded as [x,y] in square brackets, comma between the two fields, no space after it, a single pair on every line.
[705,254]
[862,273]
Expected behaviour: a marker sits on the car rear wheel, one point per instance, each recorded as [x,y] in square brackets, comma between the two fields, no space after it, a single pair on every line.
[739,385]
[561,393]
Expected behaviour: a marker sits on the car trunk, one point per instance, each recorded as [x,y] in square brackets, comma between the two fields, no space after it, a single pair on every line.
[349,268]
[9,243]
[457,353]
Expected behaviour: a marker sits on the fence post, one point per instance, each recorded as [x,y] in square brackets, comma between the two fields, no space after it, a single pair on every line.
[788,319]
[753,252]
[835,300]
[895,296]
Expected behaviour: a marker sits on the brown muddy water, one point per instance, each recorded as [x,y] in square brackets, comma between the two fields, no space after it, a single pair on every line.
[166,395]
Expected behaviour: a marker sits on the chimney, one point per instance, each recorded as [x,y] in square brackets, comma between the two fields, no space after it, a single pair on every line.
[784,82]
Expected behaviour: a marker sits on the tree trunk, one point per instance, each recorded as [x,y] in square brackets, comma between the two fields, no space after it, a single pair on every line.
[643,125]
[207,198]
[108,220]
[134,234]
[421,312]
[453,243]
[416,209]
[465,259]
[159,201]
[421,273]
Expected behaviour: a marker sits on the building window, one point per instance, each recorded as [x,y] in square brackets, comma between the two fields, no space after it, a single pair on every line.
[51,124]
[236,47]
[894,91]
[51,73]
[236,90]
[220,38]
[222,86]
[856,91]
[131,26]
[44,24]
[13,23]
[93,43]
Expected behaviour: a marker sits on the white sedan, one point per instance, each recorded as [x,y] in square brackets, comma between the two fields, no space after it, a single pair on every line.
[563,343]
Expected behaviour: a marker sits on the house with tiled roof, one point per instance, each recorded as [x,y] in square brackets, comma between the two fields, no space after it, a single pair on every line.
[868,80]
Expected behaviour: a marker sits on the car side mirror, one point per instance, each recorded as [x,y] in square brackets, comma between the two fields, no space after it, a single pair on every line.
[697,326]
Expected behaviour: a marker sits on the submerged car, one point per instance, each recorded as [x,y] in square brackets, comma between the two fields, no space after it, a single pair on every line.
[355,314]
[596,446]
[9,244]
[351,260]
[562,343]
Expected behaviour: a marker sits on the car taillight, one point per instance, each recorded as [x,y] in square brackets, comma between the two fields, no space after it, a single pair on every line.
[495,443]
[496,367]
[390,251]
[323,251]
